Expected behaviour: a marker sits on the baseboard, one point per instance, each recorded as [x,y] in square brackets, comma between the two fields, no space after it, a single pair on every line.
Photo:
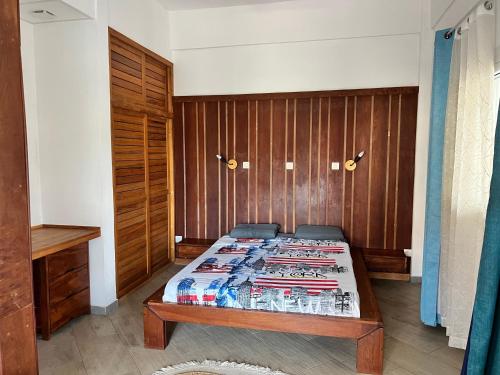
[104,310]
[416,279]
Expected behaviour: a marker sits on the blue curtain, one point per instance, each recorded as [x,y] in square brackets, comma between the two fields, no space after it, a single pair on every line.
[484,341]
[432,239]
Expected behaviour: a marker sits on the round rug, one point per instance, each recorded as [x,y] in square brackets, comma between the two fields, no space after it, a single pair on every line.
[216,368]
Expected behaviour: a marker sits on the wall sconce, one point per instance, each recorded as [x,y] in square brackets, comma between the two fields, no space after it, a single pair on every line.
[350,165]
[231,163]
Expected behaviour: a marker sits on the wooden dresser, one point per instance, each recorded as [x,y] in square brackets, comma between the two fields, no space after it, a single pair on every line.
[60,274]
[191,248]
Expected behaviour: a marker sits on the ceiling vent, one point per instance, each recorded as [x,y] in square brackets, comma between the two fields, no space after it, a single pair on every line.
[43,15]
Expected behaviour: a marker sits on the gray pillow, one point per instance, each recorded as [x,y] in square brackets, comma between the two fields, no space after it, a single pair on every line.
[319,232]
[264,231]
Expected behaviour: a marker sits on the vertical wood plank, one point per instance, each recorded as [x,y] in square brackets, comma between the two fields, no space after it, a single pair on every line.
[221,169]
[302,161]
[314,170]
[242,154]
[290,156]
[279,131]
[361,174]
[377,196]
[191,164]
[179,168]
[336,134]
[349,150]
[323,160]
[406,170]
[212,170]
[232,136]
[253,140]
[262,158]
[392,168]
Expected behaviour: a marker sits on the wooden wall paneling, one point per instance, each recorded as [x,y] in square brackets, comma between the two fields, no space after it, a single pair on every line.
[406,170]
[233,139]
[302,147]
[323,164]
[290,130]
[17,329]
[361,176]
[263,162]
[141,100]
[179,160]
[349,152]
[252,191]
[335,180]
[277,163]
[222,173]
[201,146]
[212,165]
[242,147]
[372,204]
[314,169]
[378,167]
[191,163]
[392,172]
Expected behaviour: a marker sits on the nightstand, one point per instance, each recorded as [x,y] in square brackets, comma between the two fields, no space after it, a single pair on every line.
[191,248]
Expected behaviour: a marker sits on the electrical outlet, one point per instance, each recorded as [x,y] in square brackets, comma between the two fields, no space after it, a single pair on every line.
[178,239]
[289,165]
[335,166]
[246,165]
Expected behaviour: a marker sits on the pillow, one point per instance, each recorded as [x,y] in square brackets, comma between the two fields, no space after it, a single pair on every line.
[319,232]
[264,231]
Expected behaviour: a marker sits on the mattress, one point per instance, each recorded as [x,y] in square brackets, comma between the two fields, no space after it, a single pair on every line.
[282,274]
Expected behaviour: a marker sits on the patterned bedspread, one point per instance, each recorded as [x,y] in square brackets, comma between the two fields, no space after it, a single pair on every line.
[282,274]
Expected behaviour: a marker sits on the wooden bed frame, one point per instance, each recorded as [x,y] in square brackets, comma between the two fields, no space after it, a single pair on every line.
[368,330]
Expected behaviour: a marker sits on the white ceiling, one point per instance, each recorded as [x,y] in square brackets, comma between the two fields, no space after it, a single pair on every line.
[198,4]
[59,8]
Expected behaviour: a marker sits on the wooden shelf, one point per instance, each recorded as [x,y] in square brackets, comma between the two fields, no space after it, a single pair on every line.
[49,239]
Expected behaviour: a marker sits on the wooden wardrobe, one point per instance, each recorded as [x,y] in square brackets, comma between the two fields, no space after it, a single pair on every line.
[141,132]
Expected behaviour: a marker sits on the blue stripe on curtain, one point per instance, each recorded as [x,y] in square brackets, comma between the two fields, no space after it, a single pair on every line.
[432,239]
[484,350]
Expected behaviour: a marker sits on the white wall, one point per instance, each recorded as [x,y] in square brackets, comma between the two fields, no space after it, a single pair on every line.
[146,22]
[74,138]
[30,104]
[296,45]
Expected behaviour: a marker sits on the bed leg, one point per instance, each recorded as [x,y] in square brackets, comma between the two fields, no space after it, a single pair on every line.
[155,330]
[370,353]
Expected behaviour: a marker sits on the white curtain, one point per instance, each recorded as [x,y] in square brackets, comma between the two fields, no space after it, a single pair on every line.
[467,167]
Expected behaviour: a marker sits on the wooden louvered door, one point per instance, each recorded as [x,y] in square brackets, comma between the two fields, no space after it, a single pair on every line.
[158,192]
[141,97]
[129,160]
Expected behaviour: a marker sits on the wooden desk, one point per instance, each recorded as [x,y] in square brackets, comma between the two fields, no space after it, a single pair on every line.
[60,274]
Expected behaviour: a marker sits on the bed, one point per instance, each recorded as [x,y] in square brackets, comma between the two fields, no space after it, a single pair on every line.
[283,284]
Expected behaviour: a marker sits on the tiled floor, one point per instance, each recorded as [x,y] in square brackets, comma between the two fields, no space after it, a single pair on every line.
[114,344]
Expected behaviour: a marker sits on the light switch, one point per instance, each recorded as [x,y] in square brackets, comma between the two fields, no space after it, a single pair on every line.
[289,165]
[335,166]
[246,165]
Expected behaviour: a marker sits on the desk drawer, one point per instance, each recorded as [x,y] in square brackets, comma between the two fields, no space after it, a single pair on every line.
[67,260]
[69,308]
[69,284]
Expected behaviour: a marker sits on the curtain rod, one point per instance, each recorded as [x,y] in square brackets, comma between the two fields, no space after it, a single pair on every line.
[487,4]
